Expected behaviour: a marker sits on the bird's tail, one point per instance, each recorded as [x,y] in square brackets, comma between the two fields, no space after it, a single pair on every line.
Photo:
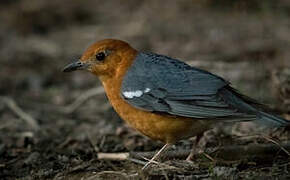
[272,120]
[250,106]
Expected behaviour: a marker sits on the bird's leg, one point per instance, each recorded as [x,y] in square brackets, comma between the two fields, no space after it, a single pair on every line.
[193,150]
[156,156]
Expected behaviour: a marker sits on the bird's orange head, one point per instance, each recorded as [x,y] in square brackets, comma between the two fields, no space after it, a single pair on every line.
[105,58]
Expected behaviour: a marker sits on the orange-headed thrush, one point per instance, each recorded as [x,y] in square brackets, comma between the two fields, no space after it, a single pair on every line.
[164,98]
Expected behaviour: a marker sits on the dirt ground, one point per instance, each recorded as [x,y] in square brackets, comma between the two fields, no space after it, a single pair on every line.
[48,132]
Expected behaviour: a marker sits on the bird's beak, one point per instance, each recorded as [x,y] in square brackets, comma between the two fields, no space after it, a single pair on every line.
[78,65]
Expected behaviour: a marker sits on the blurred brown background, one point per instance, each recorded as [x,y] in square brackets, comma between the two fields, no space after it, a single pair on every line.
[246,42]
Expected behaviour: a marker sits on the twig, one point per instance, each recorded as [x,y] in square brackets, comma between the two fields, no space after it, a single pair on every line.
[118,173]
[278,144]
[233,152]
[160,164]
[137,161]
[11,104]
[208,157]
[66,142]
[82,98]
[268,138]
[114,156]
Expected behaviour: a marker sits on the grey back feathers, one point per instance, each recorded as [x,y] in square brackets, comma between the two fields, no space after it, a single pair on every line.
[159,83]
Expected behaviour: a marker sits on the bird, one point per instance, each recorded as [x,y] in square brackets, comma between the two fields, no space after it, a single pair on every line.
[164,98]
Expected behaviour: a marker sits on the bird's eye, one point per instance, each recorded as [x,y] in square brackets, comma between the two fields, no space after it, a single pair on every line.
[100,56]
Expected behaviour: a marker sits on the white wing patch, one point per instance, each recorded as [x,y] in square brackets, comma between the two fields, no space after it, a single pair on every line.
[147,90]
[132,94]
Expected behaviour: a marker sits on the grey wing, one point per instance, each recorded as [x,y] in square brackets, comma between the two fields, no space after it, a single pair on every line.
[161,84]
